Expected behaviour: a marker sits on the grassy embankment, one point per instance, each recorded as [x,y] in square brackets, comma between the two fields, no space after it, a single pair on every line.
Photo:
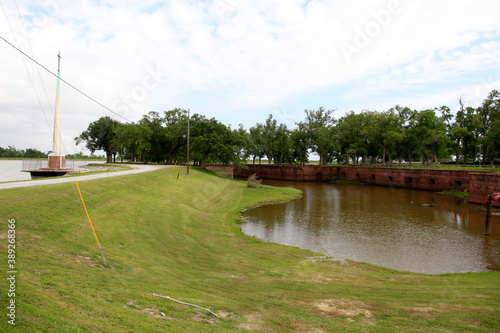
[179,238]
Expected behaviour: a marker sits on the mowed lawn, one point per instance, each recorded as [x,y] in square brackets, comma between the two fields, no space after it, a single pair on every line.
[179,237]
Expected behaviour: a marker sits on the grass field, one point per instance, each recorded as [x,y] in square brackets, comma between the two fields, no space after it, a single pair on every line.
[180,238]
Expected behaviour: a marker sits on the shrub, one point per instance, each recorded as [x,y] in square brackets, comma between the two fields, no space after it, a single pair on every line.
[253,181]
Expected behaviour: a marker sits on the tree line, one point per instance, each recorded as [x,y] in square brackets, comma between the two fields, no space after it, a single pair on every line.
[395,135]
[13,152]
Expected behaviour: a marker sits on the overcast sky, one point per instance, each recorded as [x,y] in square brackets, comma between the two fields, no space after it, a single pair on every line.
[238,60]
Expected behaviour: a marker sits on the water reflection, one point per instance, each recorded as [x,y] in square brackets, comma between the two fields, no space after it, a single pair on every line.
[403,229]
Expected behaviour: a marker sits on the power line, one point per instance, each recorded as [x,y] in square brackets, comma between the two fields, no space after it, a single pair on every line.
[69,84]
[32,53]
[28,72]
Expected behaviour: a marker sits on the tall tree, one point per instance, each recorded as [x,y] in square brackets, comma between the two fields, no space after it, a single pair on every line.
[431,130]
[128,140]
[460,133]
[489,113]
[269,134]
[349,138]
[176,124]
[153,132]
[318,126]
[410,143]
[241,142]
[99,136]
[212,141]
[299,145]
[256,142]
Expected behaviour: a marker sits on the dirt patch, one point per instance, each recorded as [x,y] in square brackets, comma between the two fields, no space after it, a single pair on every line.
[233,277]
[97,264]
[425,312]
[151,312]
[316,277]
[313,330]
[201,318]
[254,322]
[341,261]
[342,308]
[207,318]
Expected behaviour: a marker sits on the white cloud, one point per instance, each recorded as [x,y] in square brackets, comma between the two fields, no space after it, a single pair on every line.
[225,57]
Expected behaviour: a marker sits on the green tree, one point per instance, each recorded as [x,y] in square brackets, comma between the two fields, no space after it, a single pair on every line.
[300,145]
[410,142]
[256,142]
[99,136]
[318,126]
[460,132]
[351,142]
[34,153]
[282,145]
[241,142]
[127,140]
[211,141]
[390,133]
[489,113]
[154,139]
[431,131]
[176,124]
[269,134]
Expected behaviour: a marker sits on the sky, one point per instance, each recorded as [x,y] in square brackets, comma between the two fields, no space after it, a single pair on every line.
[237,60]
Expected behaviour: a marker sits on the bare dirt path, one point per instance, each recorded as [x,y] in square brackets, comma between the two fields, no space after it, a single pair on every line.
[137,168]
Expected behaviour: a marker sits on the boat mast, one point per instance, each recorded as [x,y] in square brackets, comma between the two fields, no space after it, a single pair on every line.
[56,145]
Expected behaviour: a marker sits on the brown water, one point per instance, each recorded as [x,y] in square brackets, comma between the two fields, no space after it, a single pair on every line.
[384,226]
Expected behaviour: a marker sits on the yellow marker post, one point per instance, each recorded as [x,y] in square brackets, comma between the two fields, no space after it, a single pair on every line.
[86,212]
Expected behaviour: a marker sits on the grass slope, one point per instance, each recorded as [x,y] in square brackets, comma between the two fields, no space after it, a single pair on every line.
[179,238]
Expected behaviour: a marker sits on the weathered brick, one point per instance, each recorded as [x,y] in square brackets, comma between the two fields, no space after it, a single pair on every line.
[479,185]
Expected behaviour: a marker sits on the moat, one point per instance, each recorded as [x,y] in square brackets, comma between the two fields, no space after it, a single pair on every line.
[410,230]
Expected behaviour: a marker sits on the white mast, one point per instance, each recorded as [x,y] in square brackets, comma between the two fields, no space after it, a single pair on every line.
[56,146]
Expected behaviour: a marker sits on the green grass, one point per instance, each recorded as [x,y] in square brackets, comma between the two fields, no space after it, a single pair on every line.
[180,238]
[456,194]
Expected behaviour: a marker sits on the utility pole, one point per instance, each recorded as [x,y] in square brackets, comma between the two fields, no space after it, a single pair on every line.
[188,160]
[480,155]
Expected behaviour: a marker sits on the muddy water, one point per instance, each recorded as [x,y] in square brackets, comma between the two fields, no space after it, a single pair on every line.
[403,229]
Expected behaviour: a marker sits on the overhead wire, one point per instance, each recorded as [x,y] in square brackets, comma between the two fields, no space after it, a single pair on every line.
[27,71]
[69,84]
[33,54]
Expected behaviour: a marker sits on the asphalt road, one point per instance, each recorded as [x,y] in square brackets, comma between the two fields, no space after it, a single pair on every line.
[137,168]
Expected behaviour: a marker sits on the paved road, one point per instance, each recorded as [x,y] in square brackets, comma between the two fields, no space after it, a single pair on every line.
[137,168]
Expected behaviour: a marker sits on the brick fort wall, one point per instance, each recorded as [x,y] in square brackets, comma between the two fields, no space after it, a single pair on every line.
[479,185]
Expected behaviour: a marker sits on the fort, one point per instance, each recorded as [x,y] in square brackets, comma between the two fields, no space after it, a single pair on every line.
[478,184]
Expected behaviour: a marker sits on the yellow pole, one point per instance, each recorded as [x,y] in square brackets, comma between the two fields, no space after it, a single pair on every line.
[86,212]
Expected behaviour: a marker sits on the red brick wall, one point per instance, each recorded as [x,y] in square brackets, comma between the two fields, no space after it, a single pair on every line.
[307,173]
[431,180]
[482,185]
[57,162]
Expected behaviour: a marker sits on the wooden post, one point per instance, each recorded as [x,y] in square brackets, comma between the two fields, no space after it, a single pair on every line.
[188,160]
[487,223]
